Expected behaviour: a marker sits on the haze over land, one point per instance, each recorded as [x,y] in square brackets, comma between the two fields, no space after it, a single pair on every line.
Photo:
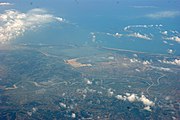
[89,59]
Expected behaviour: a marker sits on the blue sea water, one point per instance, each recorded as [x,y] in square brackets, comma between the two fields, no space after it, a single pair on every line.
[107,16]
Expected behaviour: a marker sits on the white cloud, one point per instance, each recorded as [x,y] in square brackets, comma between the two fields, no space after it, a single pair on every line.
[111,58]
[5,4]
[164,14]
[126,28]
[140,26]
[162,68]
[165,42]
[174,38]
[135,98]
[132,98]
[127,94]
[117,35]
[63,105]
[138,35]
[146,62]
[14,23]
[174,62]
[73,115]
[110,92]
[88,82]
[170,51]
[164,32]
[120,97]
[134,60]
[147,108]
[93,36]
[34,109]
[135,55]
[146,101]
[174,31]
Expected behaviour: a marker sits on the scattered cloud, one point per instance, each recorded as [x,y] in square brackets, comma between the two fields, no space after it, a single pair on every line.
[146,62]
[73,115]
[142,31]
[164,32]
[174,38]
[87,81]
[135,55]
[14,23]
[120,97]
[63,105]
[164,14]
[147,108]
[165,42]
[93,36]
[146,101]
[134,60]
[170,51]
[132,97]
[174,62]
[5,4]
[117,35]
[110,92]
[141,26]
[161,68]
[138,35]
[135,98]
[174,31]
